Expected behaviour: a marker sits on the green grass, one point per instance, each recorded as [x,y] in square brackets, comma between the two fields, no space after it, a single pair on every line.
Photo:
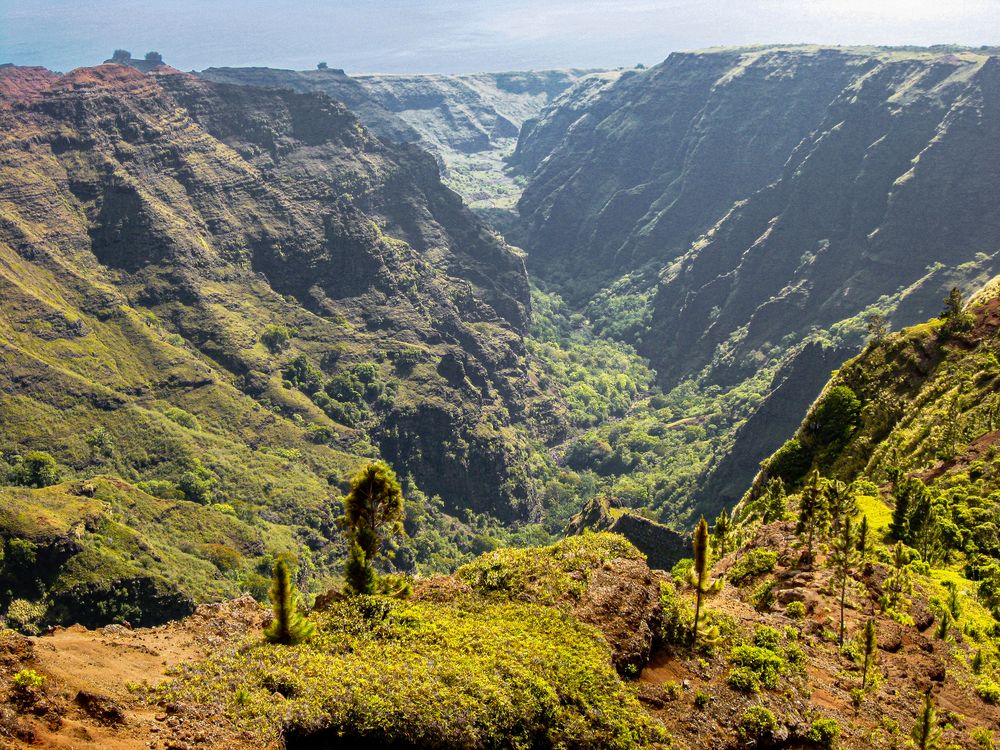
[879,514]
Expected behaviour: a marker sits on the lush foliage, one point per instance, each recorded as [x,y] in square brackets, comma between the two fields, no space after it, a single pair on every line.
[469,673]
[547,574]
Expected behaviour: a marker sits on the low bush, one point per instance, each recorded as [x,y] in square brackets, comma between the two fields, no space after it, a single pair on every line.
[757,724]
[27,679]
[466,673]
[823,732]
[766,637]
[988,690]
[764,663]
[744,679]
[756,562]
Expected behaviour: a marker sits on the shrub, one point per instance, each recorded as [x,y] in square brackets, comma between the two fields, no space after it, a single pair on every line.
[763,596]
[545,574]
[677,615]
[744,679]
[181,417]
[301,373]
[823,732]
[27,679]
[835,416]
[983,737]
[701,700]
[988,690]
[754,563]
[320,434]
[197,484]
[276,338]
[222,556]
[766,637]
[161,488]
[25,616]
[763,662]
[34,469]
[790,462]
[795,656]
[757,723]
[681,572]
[429,674]
[796,610]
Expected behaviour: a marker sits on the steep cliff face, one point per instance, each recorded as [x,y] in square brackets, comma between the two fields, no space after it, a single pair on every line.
[894,179]
[154,227]
[470,123]
[653,160]
[735,204]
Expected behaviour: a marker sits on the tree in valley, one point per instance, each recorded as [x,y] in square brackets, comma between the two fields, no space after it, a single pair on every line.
[289,625]
[843,558]
[373,509]
[813,515]
[926,732]
[870,650]
[34,469]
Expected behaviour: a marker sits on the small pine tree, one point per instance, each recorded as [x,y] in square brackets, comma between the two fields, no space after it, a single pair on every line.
[775,504]
[899,582]
[289,626]
[721,535]
[978,662]
[771,505]
[944,624]
[700,578]
[954,315]
[372,508]
[954,603]
[863,539]
[926,732]
[899,527]
[878,327]
[843,559]
[812,511]
[870,650]
[841,503]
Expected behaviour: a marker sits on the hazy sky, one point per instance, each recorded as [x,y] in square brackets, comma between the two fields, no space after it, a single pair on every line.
[463,35]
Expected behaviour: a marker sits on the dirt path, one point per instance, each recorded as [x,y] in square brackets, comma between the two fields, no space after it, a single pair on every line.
[87,702]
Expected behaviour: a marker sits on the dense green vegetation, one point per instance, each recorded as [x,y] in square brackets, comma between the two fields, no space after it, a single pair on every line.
[464,670]
[629,440]
[916,415]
